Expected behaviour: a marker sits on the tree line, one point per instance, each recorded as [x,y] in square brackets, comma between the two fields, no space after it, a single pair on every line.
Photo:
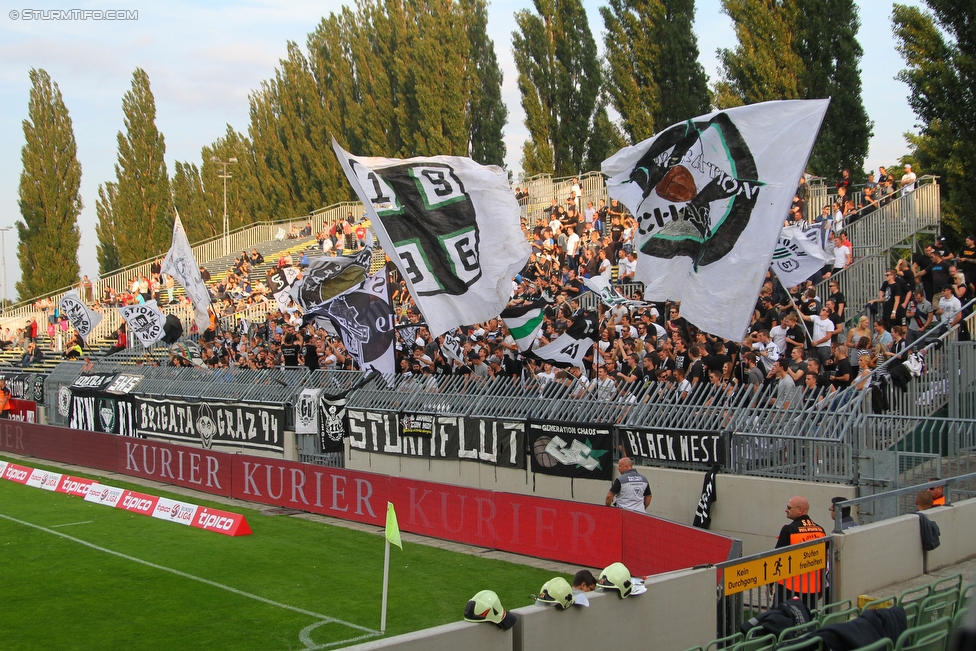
[407,78]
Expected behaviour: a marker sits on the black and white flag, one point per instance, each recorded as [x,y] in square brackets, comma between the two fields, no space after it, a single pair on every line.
[328,277]
[798,255]
[307,412]
[183,267]
[710,195]
[281,282]
[365,321]
[82,319]
[451,227]
[145,321]
[571,347]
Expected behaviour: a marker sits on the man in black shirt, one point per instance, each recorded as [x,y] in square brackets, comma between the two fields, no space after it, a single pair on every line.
[290,351]
[310,353]
[841,372]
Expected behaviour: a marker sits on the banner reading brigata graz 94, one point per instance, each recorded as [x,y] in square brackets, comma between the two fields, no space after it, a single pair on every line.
[244,425]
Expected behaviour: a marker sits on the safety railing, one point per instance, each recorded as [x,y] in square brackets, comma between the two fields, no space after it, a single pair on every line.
[752,585]
[902,500]
[793,457]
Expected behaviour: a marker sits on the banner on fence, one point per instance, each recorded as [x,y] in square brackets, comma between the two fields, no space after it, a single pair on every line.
[571,449]
[236,424]
[495,442]
[703,448]
[25,386]
[98,411]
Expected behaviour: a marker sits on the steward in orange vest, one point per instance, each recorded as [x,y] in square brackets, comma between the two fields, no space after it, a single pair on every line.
[800,529]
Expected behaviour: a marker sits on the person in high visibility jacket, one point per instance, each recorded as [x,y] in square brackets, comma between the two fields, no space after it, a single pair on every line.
[800,529]
[938,496]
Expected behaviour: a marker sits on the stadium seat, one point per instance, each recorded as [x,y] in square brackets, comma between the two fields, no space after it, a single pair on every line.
[938,606]
[928,637]
[953,582]
[793,632]
[839,616]
[911,612]
[764,643]
[966,595]
[804,644]
[828,609]
[725,642]
[914,594]
[884,644]
[883,602]
[960,619]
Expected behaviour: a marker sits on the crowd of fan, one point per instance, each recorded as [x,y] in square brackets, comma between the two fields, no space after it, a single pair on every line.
[797,339]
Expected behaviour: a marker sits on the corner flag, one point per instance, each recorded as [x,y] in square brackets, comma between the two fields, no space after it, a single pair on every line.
[392,528]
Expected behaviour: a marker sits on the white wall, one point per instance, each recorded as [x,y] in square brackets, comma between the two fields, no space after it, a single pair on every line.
[677,611]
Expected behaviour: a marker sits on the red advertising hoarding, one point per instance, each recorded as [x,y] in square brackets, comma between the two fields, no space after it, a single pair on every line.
[571,532]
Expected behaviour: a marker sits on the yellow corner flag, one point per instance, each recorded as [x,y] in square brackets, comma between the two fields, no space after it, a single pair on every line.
[392,528]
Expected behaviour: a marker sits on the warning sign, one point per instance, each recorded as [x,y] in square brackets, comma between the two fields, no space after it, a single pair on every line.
[775,567]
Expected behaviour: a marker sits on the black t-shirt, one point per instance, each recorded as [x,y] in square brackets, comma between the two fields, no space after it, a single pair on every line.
[616,232]
[717,362]
[289,353]
[842,368]
[311,355]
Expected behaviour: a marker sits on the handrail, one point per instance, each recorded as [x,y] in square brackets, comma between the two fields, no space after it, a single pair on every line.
[899,492]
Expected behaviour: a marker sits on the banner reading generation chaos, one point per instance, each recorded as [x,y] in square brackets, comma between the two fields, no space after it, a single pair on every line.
[236,424]
[579,450]
[495,442]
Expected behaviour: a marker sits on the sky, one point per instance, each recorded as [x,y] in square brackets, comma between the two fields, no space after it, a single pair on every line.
[203,60]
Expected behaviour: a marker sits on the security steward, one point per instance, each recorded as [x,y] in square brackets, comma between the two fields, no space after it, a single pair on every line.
[800,529]
[631,490]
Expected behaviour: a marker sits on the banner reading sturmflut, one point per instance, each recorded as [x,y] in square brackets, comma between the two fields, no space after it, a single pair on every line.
[452,228]
[710,195]
[491,441]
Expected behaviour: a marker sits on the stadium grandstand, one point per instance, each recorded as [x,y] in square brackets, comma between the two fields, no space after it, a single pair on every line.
[886,410]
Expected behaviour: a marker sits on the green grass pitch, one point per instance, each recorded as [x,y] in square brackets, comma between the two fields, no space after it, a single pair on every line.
[77,575]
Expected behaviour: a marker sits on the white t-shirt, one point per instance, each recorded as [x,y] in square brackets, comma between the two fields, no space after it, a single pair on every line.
[907,182]
[842,256]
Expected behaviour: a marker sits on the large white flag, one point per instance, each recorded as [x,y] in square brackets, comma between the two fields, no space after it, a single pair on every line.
[145,321]
[82,318]
[452,228]
[183,267]
[710,195]
[798,255]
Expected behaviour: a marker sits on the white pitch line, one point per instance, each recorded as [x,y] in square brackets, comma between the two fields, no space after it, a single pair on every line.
[70,524]
[325,619]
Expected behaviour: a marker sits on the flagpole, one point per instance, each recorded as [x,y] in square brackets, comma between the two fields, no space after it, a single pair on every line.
[386,579]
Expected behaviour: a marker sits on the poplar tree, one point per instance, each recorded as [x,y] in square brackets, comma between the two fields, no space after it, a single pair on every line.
[106,250]
[939,49]
[486,107]
[653,75]
[392,78]
[49,196]
[141,206]
[801,49]
[190,203]
[559,80]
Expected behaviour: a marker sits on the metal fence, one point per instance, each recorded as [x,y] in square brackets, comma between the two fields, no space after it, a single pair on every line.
[756,584]
[898,501]
[873,237]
